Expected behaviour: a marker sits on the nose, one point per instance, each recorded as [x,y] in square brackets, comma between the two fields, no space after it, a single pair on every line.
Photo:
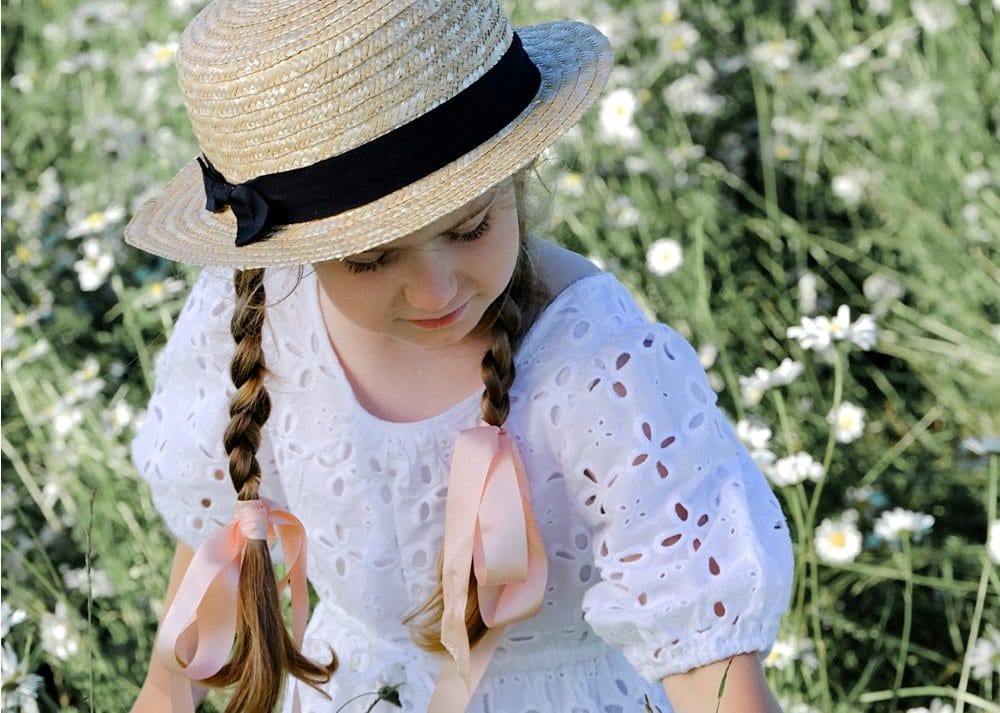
[431,283]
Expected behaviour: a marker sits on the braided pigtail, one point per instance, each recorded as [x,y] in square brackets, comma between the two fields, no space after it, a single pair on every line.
[263,651]
[508,320]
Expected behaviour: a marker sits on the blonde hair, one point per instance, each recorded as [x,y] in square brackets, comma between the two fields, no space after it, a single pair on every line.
[264,651]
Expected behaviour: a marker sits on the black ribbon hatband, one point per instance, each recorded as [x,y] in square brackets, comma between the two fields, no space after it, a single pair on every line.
[383,165]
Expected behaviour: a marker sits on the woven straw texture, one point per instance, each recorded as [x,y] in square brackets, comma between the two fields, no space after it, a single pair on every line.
[271,86]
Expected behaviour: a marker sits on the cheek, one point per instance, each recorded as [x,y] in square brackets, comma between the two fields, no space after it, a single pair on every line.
[363,306]
[503,250]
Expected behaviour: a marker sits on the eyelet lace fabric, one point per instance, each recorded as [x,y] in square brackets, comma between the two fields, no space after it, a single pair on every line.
[666,548]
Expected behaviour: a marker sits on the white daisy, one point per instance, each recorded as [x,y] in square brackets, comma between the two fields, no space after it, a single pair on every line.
[807,293]
[854,57]
[117,418]
[664,257]
[690,95]
[670,12]
[782,654]
[677,41]
[155,293]
[616,117]
[974,182]
[786,651]
[850,186]
[984,656]
[95,222]
[808,8]
[155,56]
[993,542]
[59,639]
[933,16]
[893,525]
[97,583]
[9,618]
[937,706]
[838,539]
[753,433]
[794,469]
[863,332]
[95,266]
[776,56]
[848,421]
[881,291]
[816,333]
[65,419]
[571,183]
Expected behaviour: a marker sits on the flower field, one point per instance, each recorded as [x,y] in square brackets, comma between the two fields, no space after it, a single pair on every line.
[809,191]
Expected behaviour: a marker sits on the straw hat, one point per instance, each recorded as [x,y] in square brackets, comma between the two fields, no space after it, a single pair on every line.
[343,118]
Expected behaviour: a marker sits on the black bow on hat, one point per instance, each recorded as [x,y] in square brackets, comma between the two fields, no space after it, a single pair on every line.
[250,207]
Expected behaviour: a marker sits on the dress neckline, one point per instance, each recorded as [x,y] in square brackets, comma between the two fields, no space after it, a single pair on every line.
[460,411]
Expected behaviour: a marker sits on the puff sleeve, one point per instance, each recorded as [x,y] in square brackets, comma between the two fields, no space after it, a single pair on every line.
[178,450]
[692,548]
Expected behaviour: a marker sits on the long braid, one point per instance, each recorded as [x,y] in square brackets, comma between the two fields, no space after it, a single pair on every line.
[263,651]
[513,313]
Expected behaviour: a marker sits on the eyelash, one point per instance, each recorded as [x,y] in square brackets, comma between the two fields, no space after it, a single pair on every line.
[466,237]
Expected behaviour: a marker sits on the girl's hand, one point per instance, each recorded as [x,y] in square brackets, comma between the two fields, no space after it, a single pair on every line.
[745,690]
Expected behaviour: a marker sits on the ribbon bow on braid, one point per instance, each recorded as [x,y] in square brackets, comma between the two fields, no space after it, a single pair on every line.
[198,629]
[489,526]
[250,207]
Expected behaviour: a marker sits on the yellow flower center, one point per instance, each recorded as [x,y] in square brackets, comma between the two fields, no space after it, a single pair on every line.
[677,44]
[94,220]
[668,18]
[838,540]
[163,53]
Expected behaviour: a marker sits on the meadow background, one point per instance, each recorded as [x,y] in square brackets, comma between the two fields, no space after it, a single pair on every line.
[809,191]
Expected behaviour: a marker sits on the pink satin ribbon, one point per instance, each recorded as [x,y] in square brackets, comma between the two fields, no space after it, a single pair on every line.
[197,632]
[489,526]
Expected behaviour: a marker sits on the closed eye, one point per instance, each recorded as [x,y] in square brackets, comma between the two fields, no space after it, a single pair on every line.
[474,234]
[357,266]
[370,264]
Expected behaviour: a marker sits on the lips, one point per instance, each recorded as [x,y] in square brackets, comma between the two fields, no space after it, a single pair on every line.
[439,322]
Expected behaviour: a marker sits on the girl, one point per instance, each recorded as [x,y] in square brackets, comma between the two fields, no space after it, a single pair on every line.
[517,494]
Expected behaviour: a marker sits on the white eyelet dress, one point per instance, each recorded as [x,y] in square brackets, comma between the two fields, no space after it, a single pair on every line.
[666,548]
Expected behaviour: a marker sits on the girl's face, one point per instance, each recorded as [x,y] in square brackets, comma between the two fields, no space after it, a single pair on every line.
[432,287]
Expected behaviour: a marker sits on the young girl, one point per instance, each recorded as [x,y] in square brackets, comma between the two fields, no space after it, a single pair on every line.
[517,493]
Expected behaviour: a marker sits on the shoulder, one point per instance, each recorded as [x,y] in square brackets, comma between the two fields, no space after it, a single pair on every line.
[557,266]
[588,310]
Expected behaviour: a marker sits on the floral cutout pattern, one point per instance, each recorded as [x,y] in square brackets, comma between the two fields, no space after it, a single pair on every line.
[659,530]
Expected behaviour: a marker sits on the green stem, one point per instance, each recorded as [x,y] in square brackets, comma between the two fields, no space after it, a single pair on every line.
[831,441]
[907,616]
[786,426]
[984,576]
[90,598]
[705,309]
[21,468]
[817,635]
[805,544]
[134,333]
[927,691]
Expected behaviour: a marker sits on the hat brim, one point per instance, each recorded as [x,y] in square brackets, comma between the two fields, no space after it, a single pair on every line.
[575,61]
